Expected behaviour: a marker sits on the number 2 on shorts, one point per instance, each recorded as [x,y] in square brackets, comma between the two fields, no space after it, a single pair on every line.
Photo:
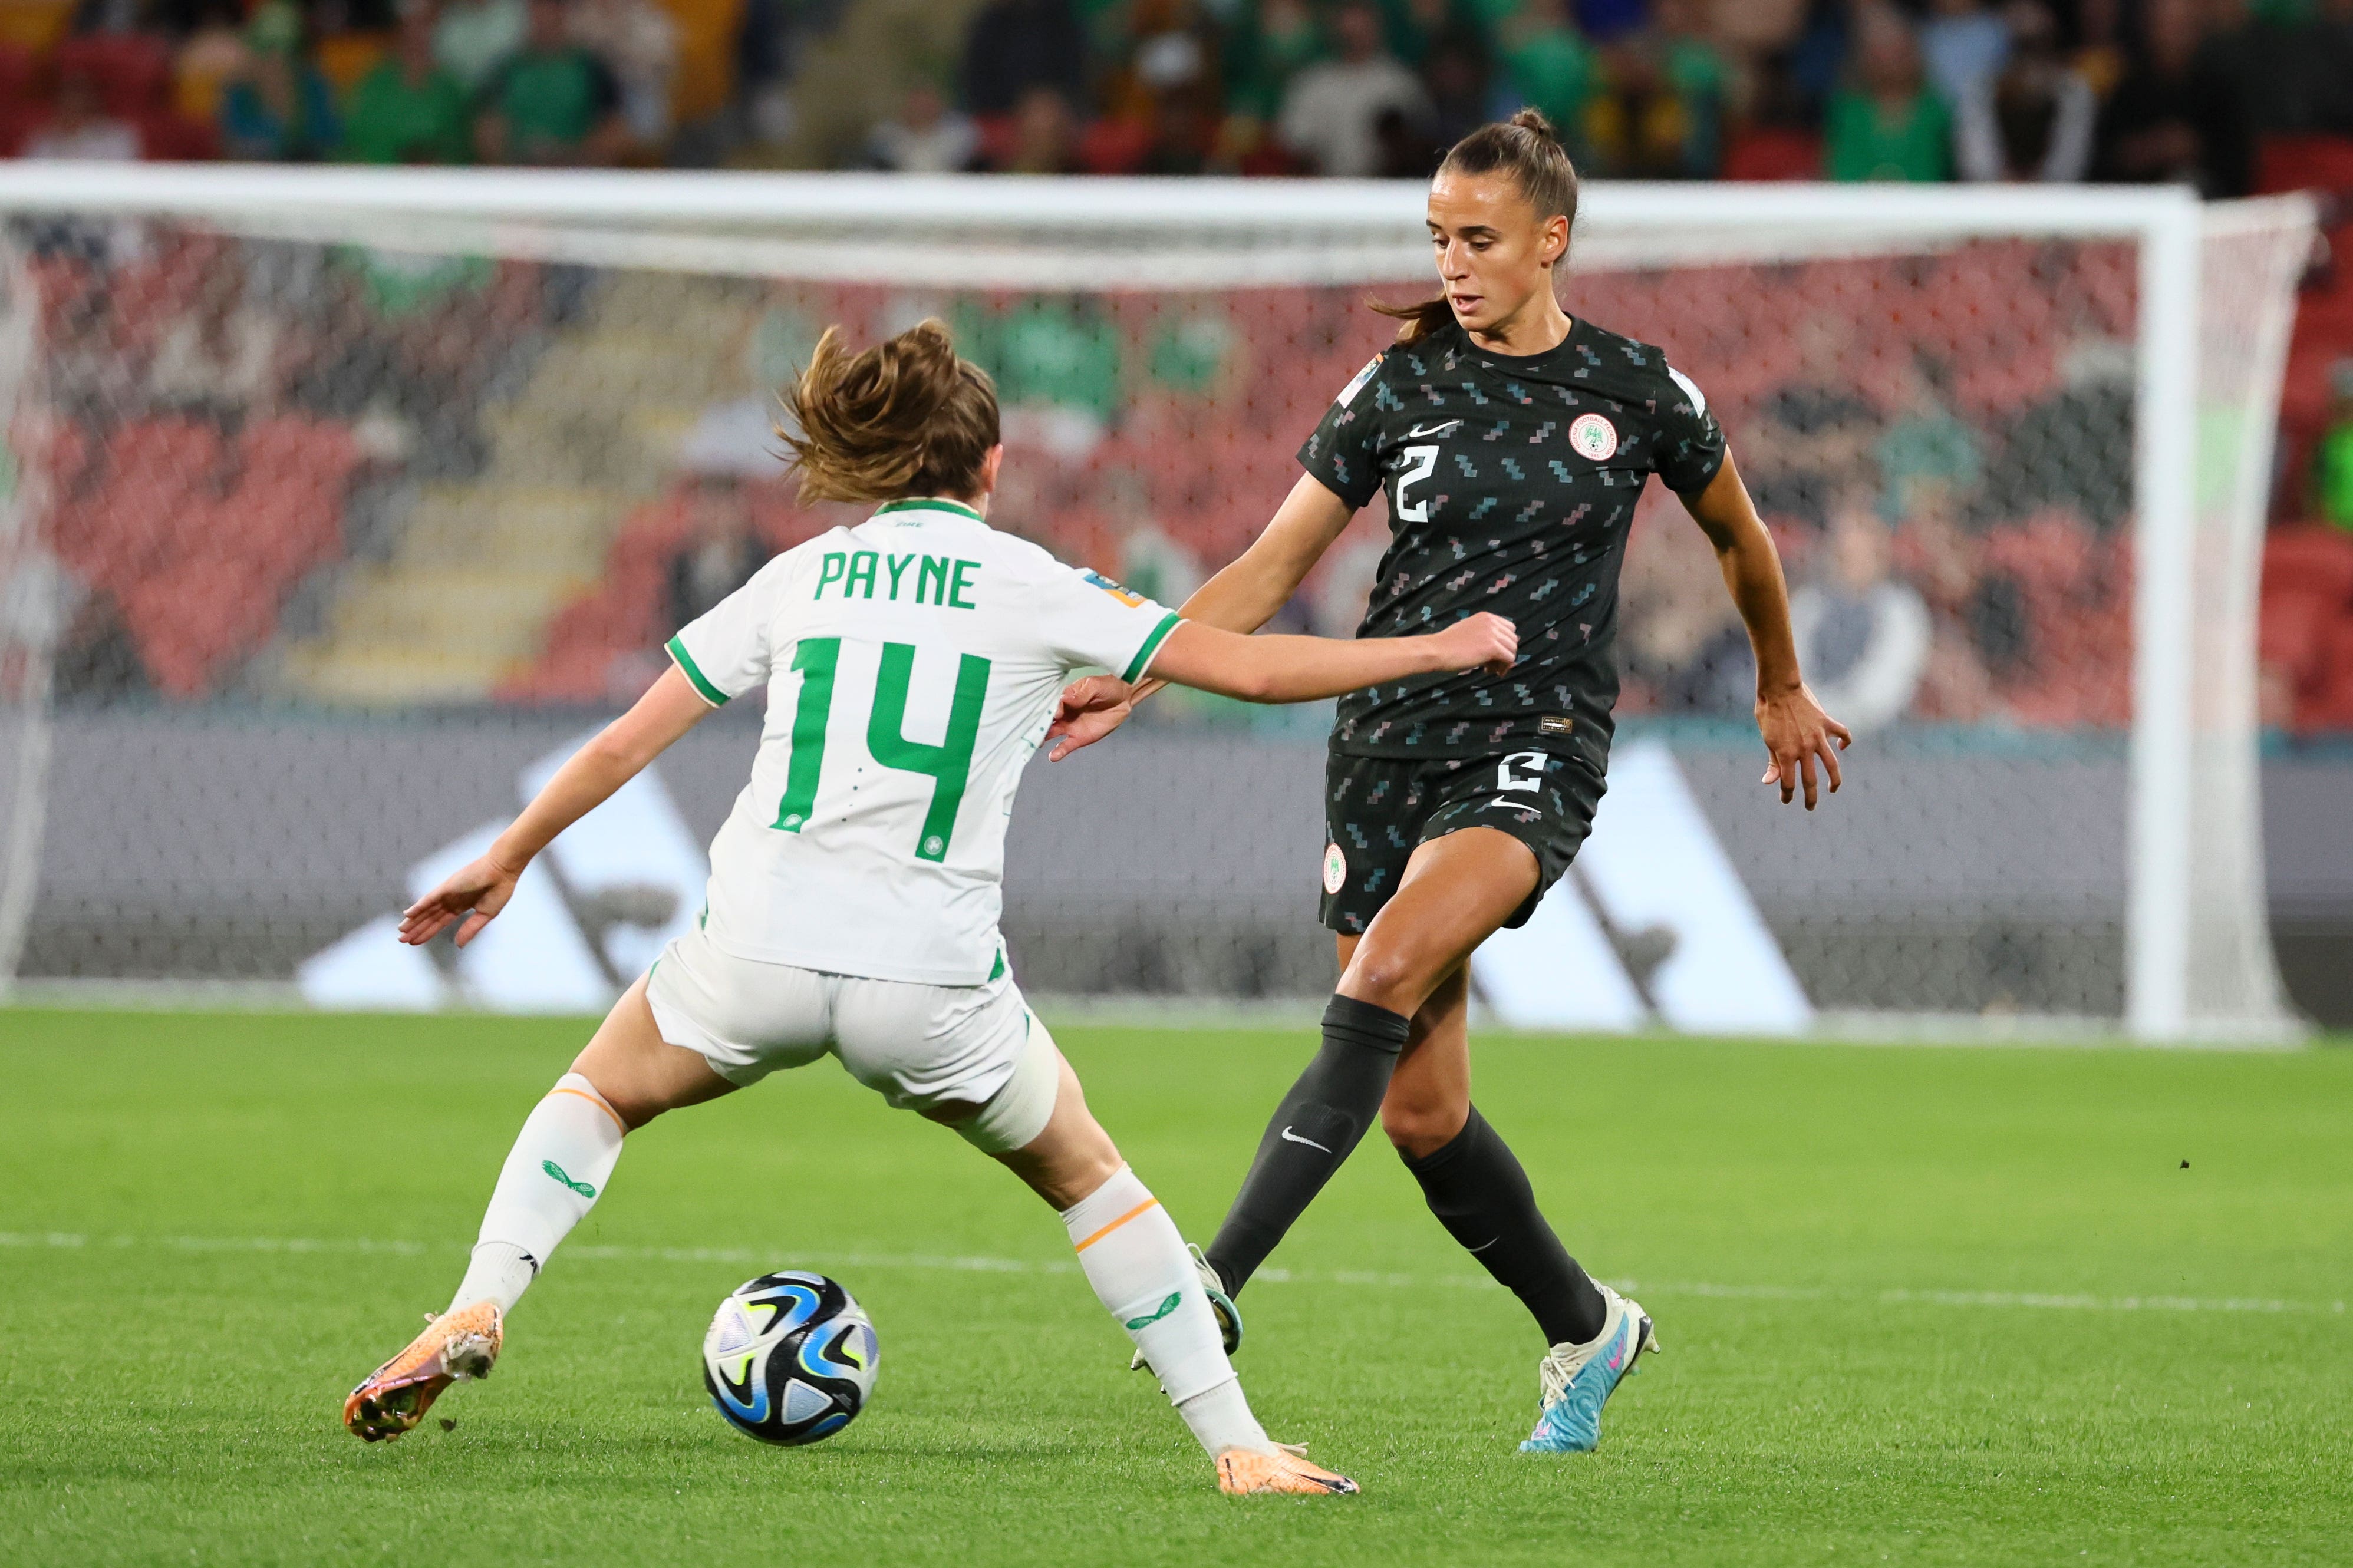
[948,764]
[1533,779]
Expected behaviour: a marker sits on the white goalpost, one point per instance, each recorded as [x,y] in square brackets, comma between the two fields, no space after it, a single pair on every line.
[2076,383]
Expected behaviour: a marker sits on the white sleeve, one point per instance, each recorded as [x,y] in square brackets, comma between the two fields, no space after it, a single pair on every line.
[1086,618]
[725,651]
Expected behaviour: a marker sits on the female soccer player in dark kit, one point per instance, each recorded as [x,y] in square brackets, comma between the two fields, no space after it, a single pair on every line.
[1512,442]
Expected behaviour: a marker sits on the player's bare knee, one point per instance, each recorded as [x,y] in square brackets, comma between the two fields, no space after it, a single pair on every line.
[1065,1172]
[1395,978]
[1417,1127]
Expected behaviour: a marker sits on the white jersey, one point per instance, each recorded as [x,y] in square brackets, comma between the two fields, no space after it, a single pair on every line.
[911,665]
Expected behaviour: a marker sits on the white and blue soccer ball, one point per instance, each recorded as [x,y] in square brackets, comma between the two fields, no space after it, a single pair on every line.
[789,1358]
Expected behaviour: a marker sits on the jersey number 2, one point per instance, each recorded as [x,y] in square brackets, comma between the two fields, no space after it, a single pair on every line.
[948,764]
[1419,461]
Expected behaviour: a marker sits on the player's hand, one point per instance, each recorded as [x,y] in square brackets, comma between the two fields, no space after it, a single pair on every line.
[477,892]
[1484,641]
[1797,732]
[1088,709]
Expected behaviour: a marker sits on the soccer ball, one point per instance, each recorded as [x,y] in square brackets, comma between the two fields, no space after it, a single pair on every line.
[789,1358]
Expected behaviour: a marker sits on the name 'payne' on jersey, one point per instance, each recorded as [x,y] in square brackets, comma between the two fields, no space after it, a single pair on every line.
[1512,481]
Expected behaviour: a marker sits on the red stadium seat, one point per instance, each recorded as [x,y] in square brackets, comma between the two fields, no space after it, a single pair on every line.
[997,136]
[321,452]
[1773,154]
[20,107]
[131,70]
[189,621]
[140,521]
[1114,147]
[2309,560]
[199,550]
[2327,704]
[2291,636]
[281,526]
[2053,553]
[2305,164]
[2308,598]
[166,135]
[61,451]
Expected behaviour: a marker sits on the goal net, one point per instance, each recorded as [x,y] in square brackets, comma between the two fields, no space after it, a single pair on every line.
[337,506]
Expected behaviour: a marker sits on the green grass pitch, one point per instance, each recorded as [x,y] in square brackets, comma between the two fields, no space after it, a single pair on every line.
[1919,1306]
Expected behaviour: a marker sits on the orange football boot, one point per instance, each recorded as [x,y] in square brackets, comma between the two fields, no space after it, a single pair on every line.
[1246,1472]
[396,1395]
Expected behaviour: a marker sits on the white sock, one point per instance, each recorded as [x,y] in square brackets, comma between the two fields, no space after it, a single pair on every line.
[553,1175]
[1134,1259]
[1221,1419]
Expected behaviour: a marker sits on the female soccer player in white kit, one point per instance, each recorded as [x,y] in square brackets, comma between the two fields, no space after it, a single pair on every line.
[912,664]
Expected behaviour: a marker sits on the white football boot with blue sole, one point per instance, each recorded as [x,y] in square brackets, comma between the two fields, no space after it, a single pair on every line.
[1576,1381]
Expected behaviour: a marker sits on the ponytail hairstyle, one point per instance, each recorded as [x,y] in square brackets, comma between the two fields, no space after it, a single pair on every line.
[1524,146]
[906,417]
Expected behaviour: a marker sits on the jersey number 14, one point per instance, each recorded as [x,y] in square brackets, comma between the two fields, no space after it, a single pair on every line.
[948,764]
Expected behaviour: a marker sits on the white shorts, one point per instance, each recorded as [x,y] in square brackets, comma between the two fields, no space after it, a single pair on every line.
[917,1045]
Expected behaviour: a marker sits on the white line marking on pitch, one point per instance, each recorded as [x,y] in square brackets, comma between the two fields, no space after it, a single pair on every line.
[942,1262]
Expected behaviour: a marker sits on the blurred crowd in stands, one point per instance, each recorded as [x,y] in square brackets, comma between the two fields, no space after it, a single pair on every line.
[1847,89]
[546,82]
[1851,89]
[1951,517]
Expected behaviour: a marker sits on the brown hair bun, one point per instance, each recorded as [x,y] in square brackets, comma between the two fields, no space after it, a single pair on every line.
[906,417]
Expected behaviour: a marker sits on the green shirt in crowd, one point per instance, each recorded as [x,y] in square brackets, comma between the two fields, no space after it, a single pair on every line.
[1047,352]
[2336,477]
[1554,72]
[390,120]
[1865,143]
[551,102]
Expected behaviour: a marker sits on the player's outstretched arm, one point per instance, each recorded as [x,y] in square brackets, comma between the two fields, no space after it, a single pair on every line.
[1795,728]
[477,892]
[1242,597]
[1297,668]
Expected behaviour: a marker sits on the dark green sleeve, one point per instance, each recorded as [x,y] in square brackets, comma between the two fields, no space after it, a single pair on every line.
[454,135]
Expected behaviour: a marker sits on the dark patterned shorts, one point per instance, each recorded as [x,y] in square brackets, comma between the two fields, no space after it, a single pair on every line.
[1379,810]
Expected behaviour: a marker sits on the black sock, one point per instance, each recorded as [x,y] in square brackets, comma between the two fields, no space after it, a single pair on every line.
[1480,1193]
[1314,1129]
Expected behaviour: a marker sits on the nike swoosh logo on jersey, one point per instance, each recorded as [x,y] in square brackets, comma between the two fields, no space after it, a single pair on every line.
[1291,1136]
[1512,805]
[1438,429]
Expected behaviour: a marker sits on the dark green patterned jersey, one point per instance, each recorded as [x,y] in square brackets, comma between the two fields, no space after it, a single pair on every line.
[1511,482]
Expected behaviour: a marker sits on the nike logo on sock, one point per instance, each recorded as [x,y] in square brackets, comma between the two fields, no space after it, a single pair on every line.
[1291,1136]
[1145,1321]
[558,1171]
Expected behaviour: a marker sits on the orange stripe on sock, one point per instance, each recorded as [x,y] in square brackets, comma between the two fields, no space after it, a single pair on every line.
[598,1102]
[1148,1202]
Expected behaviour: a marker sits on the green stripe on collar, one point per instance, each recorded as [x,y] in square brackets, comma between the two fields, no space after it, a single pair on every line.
[929,503]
